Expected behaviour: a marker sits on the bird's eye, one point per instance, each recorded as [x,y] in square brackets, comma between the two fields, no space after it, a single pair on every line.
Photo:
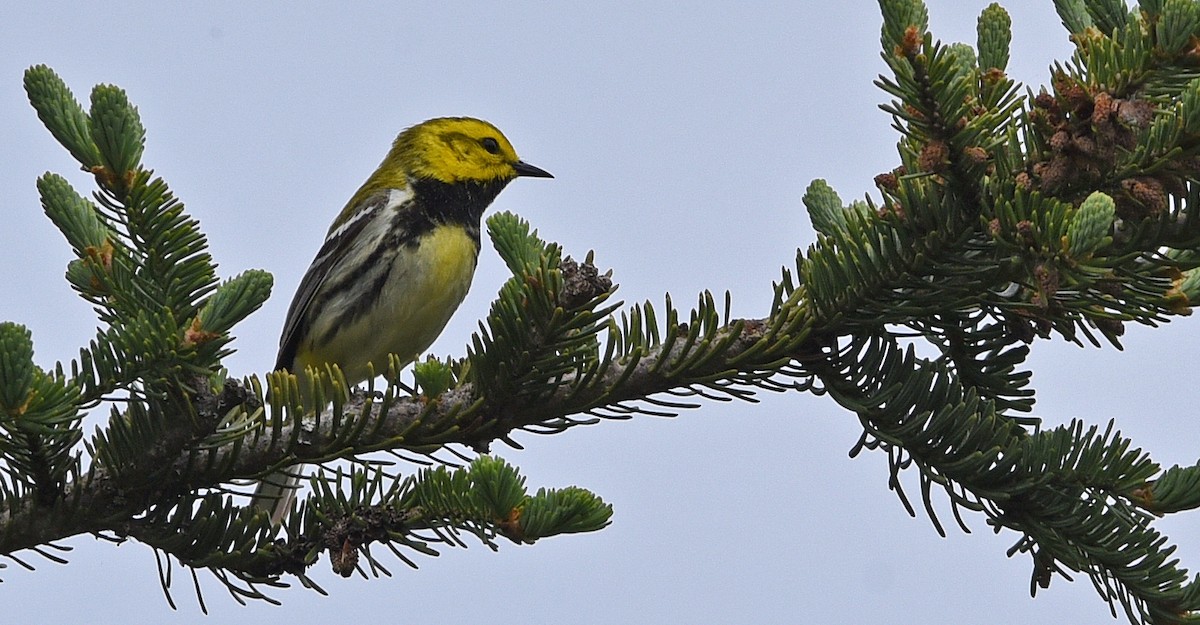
[491,145]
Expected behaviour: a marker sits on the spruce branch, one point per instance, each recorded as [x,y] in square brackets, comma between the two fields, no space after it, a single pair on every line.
[1011,216]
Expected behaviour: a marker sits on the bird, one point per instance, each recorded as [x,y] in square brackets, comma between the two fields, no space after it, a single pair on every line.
[396,262]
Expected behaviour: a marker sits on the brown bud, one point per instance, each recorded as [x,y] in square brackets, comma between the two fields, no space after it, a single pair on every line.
[1060,141]
[1110,287]
[887,181]
[1110,326]
[344,559]
[933,157]
[1086,146]
[1103,107]
[994,75]
[1059,173]
[195,334]
[510,526]
[1047,284]
[911,42]
[102,255]
[581,283]
[1148,192]
[1045,101]
[975,155]
[1075,96]
[1025,231]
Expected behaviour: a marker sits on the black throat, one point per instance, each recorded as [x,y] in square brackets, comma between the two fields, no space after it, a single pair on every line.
[460,203]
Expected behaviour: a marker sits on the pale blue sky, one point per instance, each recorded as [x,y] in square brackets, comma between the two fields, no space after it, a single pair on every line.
[681,138]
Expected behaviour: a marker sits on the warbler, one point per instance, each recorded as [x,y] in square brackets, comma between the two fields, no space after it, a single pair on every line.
[397,261]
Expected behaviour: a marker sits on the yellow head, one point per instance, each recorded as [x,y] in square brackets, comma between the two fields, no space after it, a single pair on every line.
[456,149]
[451,151]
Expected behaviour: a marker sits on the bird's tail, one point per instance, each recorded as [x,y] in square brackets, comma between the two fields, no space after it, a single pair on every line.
[276,492]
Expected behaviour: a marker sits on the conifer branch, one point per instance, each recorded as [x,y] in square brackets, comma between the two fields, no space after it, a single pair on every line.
[1009,218]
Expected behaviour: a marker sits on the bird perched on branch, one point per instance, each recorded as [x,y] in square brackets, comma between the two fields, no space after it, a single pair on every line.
[397,261]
